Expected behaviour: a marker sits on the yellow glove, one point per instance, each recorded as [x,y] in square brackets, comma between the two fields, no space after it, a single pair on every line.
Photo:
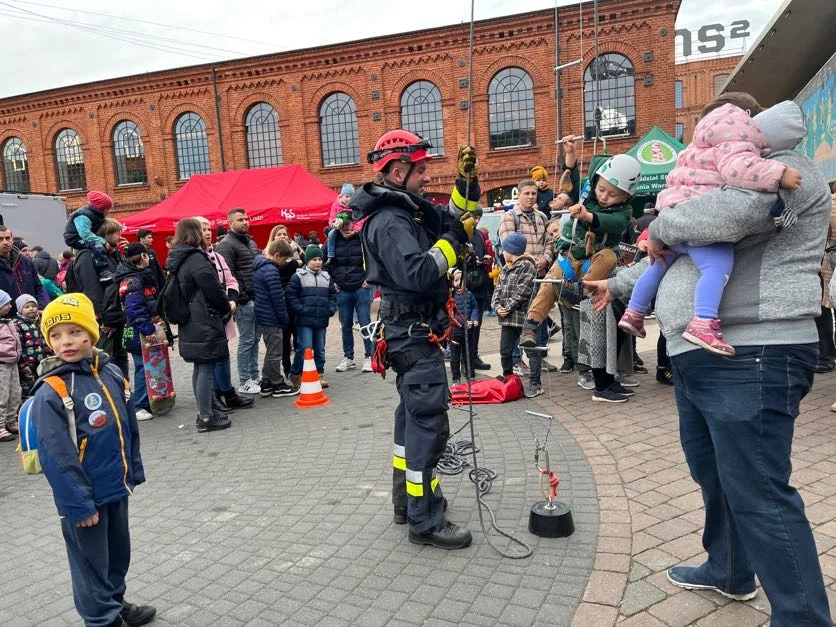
[466,161]
[468,223]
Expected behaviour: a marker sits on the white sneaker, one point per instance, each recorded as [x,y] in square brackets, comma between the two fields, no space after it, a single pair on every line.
[144,414]
[249,387]
[367,365]
[346,364]
[586,381]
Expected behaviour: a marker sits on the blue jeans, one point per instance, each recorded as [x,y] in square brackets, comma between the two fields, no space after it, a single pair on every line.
[248,337]
[223,376]
[308,337]
[140,389]
[736,420]
[349,302]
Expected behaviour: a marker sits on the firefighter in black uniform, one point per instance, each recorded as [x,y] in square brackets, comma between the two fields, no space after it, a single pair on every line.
[409,245]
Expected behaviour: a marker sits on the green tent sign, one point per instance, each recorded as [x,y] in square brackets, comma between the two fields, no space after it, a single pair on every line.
[656,152]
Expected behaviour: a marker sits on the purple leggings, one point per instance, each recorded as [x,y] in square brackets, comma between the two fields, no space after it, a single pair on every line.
[715,263]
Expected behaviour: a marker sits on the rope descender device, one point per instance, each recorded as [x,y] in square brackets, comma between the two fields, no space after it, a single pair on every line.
[550,518]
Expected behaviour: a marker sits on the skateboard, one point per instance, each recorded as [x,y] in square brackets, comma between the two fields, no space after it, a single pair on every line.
[158,375]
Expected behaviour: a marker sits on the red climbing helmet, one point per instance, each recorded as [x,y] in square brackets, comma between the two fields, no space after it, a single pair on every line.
[398,145]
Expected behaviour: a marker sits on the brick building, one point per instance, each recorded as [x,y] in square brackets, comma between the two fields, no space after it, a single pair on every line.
[697,82]
[140,137]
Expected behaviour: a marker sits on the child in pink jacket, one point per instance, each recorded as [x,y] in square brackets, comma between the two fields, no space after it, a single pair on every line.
[728,149]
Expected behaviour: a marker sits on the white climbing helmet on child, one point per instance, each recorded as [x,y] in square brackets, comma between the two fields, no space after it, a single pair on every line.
[623,171]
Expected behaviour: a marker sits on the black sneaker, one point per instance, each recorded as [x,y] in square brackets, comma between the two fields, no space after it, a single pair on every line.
[609,396]
[216,422]
[267,389]
[664,376]
[219,403]
[236,401]
[529,337]
[283,389]
[450,536]
[480,365]
[136,615]
[620,389]
[568,364]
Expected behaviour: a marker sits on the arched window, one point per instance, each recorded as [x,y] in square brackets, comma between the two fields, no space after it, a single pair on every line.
[511,109]
[421,113]
[720,81]
[128,154]
[15,166]
[609,96]
[191,146]
[338,130]
[69,161]
[264,145]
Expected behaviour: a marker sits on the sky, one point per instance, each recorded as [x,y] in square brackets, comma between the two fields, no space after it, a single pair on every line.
[53,43]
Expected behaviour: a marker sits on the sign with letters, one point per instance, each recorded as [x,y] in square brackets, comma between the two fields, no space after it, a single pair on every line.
[711,38]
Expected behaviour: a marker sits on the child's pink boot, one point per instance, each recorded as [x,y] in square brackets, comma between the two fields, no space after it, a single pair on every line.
[632,322]
[706,333]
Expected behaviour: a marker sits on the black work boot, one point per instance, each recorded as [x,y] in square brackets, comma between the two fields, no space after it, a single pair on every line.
[219,403]
[450,536]
[215,422]
[478,364]
[136,615]
[235,400]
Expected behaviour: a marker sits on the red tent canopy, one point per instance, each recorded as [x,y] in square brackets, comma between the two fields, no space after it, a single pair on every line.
[287,195]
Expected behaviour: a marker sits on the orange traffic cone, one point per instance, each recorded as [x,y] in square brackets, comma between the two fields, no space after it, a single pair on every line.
[311,393]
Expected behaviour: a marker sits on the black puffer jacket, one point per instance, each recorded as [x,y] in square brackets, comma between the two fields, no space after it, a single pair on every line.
[202,338]
[346,267]
[47,266]
[239,251]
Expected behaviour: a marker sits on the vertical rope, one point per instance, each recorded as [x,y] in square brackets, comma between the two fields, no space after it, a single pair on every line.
[583,91]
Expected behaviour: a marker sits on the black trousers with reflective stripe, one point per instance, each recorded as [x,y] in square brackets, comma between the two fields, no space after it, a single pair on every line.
[421,426]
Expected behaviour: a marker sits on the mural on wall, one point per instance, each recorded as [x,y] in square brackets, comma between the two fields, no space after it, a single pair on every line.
[816,100]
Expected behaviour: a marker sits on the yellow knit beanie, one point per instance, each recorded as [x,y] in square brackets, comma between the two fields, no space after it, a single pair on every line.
[539,173]
[70,309]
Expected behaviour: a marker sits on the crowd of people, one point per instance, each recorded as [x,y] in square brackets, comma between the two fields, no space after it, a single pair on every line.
[742,207]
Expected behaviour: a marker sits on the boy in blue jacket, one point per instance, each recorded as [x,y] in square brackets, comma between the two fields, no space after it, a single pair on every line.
[90,484]
[313,298]
[138,296]
[271,315]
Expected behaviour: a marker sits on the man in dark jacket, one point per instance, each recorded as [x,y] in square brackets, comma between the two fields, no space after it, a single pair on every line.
[146,238]
[239,251]
[353,293]
[85,278]
[46,266]
[409,245]
[17,272]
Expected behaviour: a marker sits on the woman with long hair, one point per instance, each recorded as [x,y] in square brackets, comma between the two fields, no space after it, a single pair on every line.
[202,337]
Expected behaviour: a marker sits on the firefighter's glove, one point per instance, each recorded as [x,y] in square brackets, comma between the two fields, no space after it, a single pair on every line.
[467,164]
[451,243]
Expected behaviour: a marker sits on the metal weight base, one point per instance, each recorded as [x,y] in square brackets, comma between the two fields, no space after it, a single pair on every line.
[551,523]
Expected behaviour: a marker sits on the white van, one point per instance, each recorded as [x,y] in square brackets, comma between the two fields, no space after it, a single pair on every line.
[37,218]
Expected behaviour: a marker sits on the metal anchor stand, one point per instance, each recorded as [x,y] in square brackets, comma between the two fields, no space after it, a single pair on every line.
[550,518]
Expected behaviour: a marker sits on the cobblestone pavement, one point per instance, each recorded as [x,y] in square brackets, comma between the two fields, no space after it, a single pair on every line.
[285,517]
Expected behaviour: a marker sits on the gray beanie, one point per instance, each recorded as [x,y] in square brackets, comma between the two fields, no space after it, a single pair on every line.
[782,125]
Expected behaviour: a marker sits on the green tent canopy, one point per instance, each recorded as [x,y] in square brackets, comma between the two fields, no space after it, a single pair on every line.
[656,152]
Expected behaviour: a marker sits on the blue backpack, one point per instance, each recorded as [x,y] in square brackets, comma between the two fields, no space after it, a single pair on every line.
[28,445]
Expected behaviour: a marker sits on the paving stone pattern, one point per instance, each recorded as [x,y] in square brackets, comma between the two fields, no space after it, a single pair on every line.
[286,518]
